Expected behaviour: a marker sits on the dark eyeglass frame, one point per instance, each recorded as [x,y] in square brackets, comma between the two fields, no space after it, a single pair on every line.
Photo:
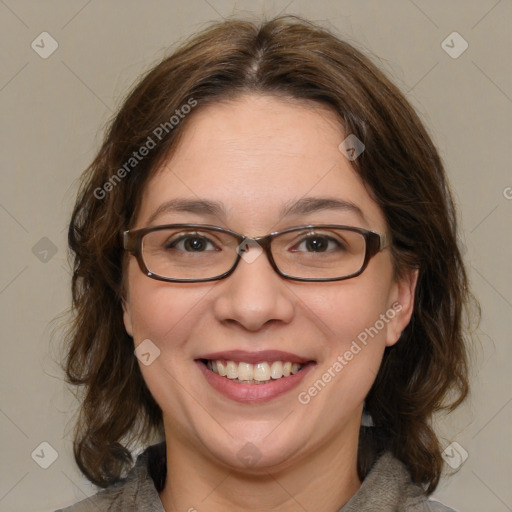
[132,242]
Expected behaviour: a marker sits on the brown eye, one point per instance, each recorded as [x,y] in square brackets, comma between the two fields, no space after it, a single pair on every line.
[191,243]
[318,243]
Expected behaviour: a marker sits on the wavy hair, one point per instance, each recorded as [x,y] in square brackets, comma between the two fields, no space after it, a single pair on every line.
[426,371]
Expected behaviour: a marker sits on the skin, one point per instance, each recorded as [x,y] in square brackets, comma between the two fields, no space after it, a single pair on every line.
[255,154]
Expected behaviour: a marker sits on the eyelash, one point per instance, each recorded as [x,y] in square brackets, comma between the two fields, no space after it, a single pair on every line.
[304,239]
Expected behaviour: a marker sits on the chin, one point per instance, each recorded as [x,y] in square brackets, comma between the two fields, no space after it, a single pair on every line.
[253,453]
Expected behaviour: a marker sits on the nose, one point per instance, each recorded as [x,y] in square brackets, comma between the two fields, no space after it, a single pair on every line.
[254,294]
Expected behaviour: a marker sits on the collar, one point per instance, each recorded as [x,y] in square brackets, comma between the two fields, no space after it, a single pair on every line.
[386,488]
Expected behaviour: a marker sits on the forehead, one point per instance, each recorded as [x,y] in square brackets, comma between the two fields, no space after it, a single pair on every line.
[256,156]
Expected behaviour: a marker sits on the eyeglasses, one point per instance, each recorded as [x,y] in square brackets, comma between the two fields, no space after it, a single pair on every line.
[191,253]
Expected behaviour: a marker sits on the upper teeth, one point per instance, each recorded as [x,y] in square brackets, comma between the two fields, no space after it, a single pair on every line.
[260,371]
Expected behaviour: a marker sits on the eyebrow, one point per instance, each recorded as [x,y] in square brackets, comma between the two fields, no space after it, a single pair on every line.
[315,204]
[303,206]
[200,206]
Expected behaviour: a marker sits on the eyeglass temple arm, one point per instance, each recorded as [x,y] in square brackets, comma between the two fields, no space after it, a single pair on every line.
[128,242]
[385,241]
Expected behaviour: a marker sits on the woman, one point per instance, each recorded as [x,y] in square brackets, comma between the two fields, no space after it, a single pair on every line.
[266,275]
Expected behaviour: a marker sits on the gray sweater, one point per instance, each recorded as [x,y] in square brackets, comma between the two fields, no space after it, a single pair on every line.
[387,488]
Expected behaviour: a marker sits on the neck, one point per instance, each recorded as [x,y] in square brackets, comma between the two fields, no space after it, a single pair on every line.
[325,480]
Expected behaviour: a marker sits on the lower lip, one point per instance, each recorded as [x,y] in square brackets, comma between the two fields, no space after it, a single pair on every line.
[253,393]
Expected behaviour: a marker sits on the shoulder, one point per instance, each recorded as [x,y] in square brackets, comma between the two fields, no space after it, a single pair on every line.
[136,492]
[412,496]
[388,488]
[436,506]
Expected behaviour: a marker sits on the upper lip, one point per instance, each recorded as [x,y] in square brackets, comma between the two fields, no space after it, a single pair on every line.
[255,357]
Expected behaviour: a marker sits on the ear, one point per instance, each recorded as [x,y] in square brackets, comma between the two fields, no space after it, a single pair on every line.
[402,303]
[127,316]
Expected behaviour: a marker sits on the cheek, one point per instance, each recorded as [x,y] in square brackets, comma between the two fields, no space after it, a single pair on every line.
[357,340]
[350,310]
[169,315]
[354,343]
[354,316]
[166,314]
[160,310]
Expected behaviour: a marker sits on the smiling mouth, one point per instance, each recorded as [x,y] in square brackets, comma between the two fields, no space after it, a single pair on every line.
[247,373]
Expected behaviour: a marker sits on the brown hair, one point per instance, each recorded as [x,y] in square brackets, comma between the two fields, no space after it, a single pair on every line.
[401,169]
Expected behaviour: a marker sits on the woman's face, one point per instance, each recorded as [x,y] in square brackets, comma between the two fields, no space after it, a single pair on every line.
[253,157]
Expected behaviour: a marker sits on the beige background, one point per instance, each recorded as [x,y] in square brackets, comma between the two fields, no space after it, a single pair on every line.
[53,111]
